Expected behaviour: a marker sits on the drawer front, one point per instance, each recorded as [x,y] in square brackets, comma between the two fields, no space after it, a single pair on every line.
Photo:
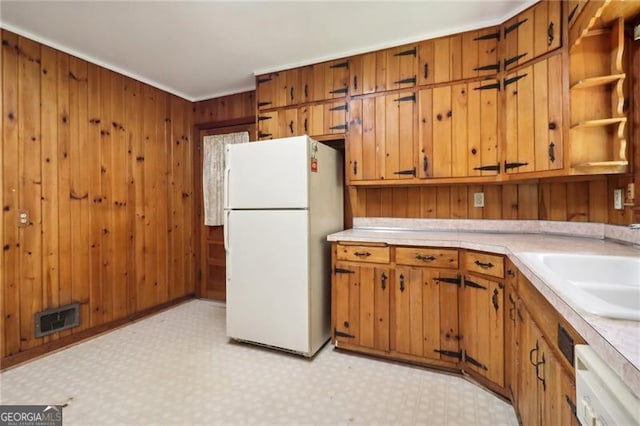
[437,258]
[363,253]
[483,263]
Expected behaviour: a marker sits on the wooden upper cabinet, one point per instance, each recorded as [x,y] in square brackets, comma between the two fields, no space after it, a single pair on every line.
[268,125]
[532,33]
[382,137]
[368,73]
[305,88]
[401,67]
[459,56]
[270,91]
[330,80]
[533,117]
[329,118]
[458,130]
[288,123]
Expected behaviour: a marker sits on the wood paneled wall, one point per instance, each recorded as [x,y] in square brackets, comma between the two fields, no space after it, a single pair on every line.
[102,164]
[584,201]
[225,108]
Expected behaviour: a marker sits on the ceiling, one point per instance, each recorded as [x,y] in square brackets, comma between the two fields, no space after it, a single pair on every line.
[205,49]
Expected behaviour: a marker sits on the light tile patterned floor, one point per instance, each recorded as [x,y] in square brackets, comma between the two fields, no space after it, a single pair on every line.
[178,367]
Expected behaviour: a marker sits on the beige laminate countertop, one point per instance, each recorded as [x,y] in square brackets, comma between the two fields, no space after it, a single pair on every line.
[616,341]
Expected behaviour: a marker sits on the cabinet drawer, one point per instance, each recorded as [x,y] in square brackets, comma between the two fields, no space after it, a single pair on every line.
[437,258]
[363,253]
[483,263]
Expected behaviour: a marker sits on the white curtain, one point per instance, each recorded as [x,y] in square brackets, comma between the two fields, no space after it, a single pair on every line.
[213,174]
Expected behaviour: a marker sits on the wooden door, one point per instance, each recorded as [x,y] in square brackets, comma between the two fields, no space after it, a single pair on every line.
[211,276]
[367,72]
[482,327]
[527,403]
[288,123]
[361,305]
[532,33]
[292,95]
[511,332]
[268,125]
[306,84]
[425,313]
[401,67]
[458,130]
[330,80]
[270,91]
[480,53]
[328,118]
[533,117]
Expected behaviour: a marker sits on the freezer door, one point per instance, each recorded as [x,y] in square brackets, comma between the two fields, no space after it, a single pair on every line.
[268,277]
[267,175]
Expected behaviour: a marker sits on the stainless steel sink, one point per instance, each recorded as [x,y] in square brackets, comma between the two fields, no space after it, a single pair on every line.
[607,286]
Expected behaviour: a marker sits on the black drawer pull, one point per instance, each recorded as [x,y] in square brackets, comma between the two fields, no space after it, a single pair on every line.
[362,254]
[484,265]
[425,258]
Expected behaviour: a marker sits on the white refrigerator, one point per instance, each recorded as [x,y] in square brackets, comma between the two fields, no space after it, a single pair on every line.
[282,198]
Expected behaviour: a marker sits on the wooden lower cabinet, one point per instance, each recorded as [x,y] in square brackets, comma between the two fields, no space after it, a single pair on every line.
[425,313]
[482,327]
[492,325]
[361,305]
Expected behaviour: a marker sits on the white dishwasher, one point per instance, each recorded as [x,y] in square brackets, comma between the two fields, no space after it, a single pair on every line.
[602,397]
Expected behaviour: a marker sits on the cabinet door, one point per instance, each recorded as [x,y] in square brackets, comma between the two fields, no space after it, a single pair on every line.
[292,87]
[361,305]
[482,327]
[425,313]
[382,137]
[268,125]
[527,402]
[458,130]
[401,67]
[533,117]
[306,84]
[447,59]
[324,119]
[368,73]
[532,33]
[330,80]
[510,332]
[480,53]
[270,90]
[288,122]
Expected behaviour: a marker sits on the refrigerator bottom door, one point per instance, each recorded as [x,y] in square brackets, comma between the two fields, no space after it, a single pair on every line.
[268,277]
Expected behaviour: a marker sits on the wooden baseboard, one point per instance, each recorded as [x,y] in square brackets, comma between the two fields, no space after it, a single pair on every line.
[63,342]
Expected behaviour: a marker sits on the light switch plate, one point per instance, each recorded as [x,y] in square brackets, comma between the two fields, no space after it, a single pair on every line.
[478,199]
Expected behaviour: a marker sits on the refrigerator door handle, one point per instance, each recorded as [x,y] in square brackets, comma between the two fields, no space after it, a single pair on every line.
[225,230]
[227,175]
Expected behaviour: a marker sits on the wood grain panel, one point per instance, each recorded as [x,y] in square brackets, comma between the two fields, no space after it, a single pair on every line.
[102,165]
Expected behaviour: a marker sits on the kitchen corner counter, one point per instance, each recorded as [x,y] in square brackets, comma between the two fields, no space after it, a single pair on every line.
[617,342]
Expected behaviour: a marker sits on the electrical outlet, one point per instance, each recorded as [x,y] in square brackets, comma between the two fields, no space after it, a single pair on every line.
[23,218]
[618,201]
[478,199]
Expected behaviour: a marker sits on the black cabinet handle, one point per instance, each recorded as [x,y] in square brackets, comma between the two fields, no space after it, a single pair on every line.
[306,90]
[542,379]
[535,364]
[291,94]
[550,34]
[355,82]
[401,283]
[484,265]
[355,167]
[383,281]
[425,164]
[291,126]
[362,254]
[494,300]
[306,130]
[552,153]
[426,71]
[425,258]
